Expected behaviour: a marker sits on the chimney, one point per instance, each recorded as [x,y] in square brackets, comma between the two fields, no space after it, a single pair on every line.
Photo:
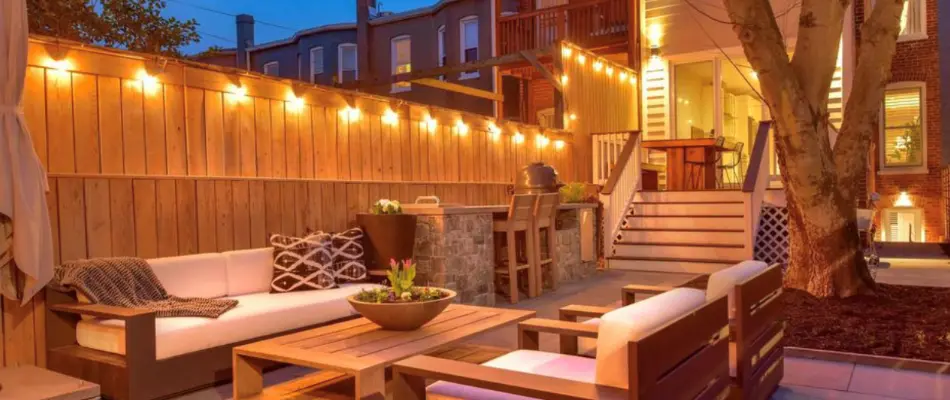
[245,39]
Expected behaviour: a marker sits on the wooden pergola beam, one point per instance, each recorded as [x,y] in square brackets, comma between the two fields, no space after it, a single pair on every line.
[455,87]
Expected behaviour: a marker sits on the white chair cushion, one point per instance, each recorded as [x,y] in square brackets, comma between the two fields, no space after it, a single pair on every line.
[249,271]
[197,275]
[256,315]
[573,368]
[618,327]
[723,281]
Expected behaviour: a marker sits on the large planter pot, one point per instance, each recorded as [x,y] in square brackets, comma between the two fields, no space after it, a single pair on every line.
[387,237]
[402,316]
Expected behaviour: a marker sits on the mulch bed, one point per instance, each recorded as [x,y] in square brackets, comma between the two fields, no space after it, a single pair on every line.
[899,321]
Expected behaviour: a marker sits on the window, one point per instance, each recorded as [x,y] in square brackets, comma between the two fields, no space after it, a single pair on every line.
[903,129]
[316,64]
[903,224]
[913,20]
[401,53]
[348,67]
[468,31]
[272,68]
[441,40]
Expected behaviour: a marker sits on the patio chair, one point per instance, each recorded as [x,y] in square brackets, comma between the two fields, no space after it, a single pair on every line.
[545,218]
[756,328]
[671,346]
[695,168]
[733,169]
[518,220]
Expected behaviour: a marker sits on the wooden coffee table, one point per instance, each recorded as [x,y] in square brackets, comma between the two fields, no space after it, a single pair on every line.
[362,349]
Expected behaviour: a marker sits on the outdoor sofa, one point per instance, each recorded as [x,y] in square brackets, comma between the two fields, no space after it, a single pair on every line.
[134,355]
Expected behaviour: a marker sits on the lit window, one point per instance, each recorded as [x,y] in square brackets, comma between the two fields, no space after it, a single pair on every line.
[316,64]
[903,128]
[469,44]
[348,66]
[401,50]
[441,40]
[272,68]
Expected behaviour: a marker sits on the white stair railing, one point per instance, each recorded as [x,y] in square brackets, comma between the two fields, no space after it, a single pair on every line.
[756,182]
[617,166]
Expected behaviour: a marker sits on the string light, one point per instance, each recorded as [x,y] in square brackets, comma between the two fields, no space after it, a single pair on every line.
[566,52]
[573,117]
[598,66]
[581,59]
[609,71]
[564,80]
[239,92]
[149,83]
[63,65]
[623,75]
[294,103]
[431,123]
[541,141]
[494,131]
[518,138]
[350,114]
[390,117]
[460,128]
[754,75]
[558,144]
[633,79]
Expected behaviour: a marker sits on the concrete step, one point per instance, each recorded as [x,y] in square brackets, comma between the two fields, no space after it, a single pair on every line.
[707,196]
[684,222]
[706,236]
[732,209]
[697,266]
[681,251]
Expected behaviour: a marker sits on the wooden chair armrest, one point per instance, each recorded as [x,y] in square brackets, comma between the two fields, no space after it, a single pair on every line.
[571,312]
[529,333]
[101,311]
[409,380]
[628,293]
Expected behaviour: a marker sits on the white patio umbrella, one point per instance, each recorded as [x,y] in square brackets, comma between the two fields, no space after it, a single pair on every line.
[23,183]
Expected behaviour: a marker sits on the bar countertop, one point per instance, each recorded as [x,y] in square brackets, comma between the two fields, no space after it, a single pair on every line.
[458,209]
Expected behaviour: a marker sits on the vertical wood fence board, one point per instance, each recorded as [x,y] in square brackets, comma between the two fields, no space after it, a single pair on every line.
[59,119]
[133,127]
[146,218]
[122,212]
[98,218]
[86,123]
[175,140]
[195,131]
[156,162]
[186,193]
[34,110]
[166,210]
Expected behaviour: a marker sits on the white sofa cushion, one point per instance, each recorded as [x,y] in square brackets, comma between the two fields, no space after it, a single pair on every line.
[618,327]
[587,347]
[256,315]
[723,281]
[249,271]
[573,368]
[197,275]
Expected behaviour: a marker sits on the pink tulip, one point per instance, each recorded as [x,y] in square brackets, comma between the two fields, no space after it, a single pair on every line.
[392,263]
[407,263]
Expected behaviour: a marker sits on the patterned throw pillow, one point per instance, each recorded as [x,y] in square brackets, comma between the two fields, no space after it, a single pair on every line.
[302,263]
[348,264]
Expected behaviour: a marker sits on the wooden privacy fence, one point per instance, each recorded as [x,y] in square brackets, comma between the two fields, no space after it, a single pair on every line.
[203,159]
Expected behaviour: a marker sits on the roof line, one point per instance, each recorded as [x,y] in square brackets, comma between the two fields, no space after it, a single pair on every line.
[297,35]
[411,13]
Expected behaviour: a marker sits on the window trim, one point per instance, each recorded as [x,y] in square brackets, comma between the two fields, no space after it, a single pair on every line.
[462,22]
[392,62]
[276,64]
[905,170]
[339,61]
[909,37]
[323,68]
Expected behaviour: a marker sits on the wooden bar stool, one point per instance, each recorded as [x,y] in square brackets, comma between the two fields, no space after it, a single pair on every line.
[545,218]
[519,220]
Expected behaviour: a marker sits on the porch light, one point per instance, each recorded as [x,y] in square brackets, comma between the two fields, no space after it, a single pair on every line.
[609,71]
[238,91]
[294,103]
[460,128]
[518,138]
[431,123]
[566,52]
[149,82]
[654,34]
[390,117]
[903,200]
[598,66]
[581,59]
[350,114]
[558,144]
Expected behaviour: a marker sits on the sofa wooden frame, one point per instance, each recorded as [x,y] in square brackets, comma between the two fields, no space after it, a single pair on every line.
[685,359]
[757,330]
[138,374]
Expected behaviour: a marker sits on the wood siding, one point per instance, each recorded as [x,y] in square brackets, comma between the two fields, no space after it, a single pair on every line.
[188,167]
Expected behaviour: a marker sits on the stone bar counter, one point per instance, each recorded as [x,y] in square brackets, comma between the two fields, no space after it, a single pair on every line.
[454,247]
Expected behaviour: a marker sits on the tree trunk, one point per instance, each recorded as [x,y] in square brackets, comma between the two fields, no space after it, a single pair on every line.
[820,181]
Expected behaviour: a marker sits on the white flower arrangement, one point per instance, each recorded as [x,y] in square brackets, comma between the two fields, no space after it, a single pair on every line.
[386,206]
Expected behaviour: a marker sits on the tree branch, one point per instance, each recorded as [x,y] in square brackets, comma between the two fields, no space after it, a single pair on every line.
[877,48]
[816,50]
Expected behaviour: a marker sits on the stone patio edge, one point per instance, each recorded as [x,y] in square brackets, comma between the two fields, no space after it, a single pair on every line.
[906,364]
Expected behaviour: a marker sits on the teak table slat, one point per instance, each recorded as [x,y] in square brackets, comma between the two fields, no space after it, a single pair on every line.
[362,349]
[678,152]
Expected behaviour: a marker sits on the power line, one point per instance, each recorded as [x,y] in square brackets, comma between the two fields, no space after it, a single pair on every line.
[221,38]
[219,12]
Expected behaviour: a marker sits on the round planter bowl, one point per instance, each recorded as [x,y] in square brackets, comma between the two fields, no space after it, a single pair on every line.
[402,316]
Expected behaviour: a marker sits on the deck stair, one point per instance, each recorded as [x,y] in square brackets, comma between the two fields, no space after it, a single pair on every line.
[687,231]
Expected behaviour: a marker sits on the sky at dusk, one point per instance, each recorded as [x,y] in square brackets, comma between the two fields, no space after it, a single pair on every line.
[217,29]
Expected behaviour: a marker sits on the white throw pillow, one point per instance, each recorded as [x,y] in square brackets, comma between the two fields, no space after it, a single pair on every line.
[249,271]
[618,327]
[723,281]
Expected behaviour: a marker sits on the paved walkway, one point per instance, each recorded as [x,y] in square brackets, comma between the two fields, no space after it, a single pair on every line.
[804,379]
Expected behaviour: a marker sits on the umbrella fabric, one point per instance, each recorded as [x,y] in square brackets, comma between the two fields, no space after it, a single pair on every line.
[22,179]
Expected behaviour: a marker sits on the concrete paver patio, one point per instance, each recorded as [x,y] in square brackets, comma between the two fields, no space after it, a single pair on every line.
[804,378]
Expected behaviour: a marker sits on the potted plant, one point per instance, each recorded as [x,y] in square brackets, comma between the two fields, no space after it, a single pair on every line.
[401,306]
[389,234]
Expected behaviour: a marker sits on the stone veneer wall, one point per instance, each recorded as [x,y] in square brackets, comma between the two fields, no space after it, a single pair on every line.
[570,266]
[455,252]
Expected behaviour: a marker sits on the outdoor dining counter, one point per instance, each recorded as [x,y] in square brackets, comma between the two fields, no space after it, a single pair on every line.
[454,247]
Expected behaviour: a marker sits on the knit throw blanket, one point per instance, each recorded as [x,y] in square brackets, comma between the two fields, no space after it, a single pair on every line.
[130,282]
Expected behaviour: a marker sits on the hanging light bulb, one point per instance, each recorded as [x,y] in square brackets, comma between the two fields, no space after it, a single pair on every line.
[294,103]
[494,131]
[149,83]
[558,144]
[390,117]
[581,59]
[633,79]
[573,117]
[350,114]
[609,71]
[541,141]
[623,75]
[239,92]
[518,138]
[566,52]
[431,123]
[598,66]
[564,80]
[460,128]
